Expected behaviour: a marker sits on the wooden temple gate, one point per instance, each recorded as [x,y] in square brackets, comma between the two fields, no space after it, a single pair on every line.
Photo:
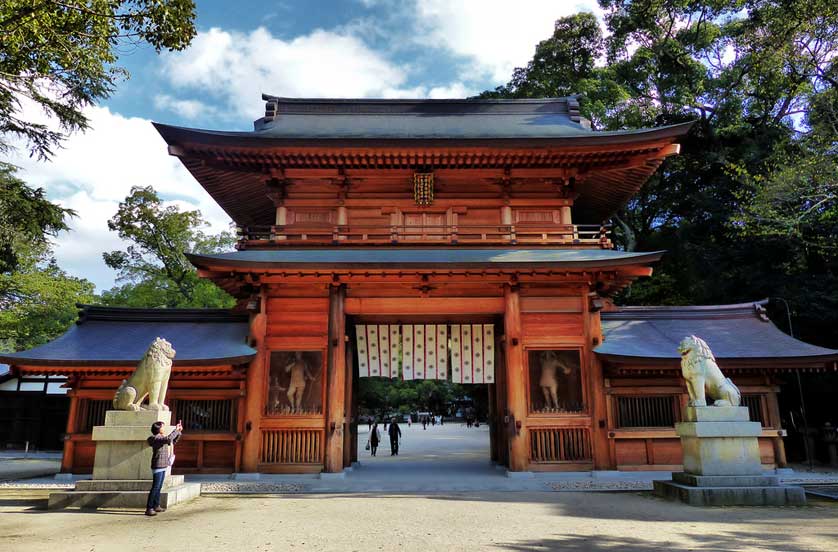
[425,212]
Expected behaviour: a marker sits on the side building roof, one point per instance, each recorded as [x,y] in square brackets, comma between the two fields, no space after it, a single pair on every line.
[109,336]
[733,332]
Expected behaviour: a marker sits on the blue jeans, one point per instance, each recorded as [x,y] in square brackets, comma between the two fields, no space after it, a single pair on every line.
[156,487]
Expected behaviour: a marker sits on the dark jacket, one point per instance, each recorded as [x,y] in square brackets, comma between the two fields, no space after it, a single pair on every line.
[160,448]
[374,435]
[394,431]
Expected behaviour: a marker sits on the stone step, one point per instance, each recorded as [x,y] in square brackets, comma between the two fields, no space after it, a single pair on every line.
[121,499]
[731,496]
[694,480]
[143,485]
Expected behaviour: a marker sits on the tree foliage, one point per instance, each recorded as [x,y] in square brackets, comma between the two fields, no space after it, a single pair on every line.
[62,56]
[37,298]
[758,77]
[27,219]
[382,397]
[153,268]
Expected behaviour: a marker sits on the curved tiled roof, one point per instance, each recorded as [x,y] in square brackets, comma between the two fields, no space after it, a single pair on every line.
[740,331]
[108,336]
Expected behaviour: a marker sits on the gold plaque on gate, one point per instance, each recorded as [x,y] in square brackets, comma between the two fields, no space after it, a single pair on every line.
[423,188]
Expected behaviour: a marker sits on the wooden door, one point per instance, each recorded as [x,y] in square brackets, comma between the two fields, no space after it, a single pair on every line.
[424,226]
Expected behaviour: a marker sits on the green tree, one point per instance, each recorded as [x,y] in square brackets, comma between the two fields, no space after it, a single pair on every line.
[27,219]
[62,55]
[37,298]
[38,302]
[748,72]
[154,269]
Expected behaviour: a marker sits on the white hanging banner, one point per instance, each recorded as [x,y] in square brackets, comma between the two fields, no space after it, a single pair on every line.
[376,354]
[407,352]
[442,351]
[395,349]
[473,353]
[424,351]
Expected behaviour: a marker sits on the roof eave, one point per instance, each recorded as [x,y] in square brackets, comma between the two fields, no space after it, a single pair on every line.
[28,361]
[210,261]
[175,135]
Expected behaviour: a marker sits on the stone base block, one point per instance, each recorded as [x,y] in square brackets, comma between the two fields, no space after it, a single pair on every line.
[329,476]
[725,480]
[143,485]
[246,476]
[520,474]
[731,496]
[716,414]
[170,496]
[122,451]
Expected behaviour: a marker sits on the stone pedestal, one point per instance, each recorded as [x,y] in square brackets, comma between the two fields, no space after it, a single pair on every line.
[122,467]
[722,463]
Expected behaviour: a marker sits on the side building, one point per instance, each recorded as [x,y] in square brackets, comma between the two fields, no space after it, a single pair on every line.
[444,239]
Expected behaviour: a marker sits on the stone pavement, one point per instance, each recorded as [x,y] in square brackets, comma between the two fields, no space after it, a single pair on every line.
[17,464]
[441,459]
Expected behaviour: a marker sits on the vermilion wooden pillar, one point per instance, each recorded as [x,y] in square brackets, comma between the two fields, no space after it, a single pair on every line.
[69,445]
[336,391]
[516,396]
[599,414]
[350,427]
[256,384]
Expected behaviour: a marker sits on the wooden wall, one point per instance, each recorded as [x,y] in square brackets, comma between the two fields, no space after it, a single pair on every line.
[650,442]
[296,319]
[199,451]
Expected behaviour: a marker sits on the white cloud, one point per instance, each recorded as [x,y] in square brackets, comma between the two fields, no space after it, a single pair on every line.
[190,109]
[236,67]
[94,171]
[453,90]
[496,35]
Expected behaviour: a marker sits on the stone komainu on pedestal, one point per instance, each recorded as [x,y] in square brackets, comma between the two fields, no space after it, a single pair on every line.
[122,465]
[720,444]
[703,377]
[151,378]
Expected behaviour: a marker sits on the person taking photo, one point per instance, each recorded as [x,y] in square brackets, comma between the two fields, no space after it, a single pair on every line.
[161,460]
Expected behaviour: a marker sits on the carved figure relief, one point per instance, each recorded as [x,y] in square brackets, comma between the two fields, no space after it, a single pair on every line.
[703,377]
[555,381]
[295,383]
[150,378]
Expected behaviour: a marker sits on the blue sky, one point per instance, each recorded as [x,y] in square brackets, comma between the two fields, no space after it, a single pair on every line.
[314,48]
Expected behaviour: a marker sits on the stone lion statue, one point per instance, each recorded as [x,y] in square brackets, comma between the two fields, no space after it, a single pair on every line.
[702,374]
[151,378]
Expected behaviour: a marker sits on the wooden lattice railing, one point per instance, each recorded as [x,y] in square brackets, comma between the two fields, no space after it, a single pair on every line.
[92,413]
[646,411]
[585,235]
[560,444]
[291,446]
[205,415]
[756,408]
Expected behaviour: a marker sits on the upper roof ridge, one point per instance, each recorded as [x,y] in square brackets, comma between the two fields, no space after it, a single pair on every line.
[88,313]
[734,310]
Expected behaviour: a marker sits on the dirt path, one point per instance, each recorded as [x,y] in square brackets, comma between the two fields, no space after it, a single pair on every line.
[459,521]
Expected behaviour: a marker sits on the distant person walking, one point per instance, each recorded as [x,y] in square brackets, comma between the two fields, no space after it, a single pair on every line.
[369,423]
[161,460]
[375,438]
[395,433]
[424,422]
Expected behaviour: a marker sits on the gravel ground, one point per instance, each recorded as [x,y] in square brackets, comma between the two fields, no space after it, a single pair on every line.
[599,485]
[251,488]
[624,522]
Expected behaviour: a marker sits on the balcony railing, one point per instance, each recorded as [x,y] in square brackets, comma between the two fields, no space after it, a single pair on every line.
[575,235]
